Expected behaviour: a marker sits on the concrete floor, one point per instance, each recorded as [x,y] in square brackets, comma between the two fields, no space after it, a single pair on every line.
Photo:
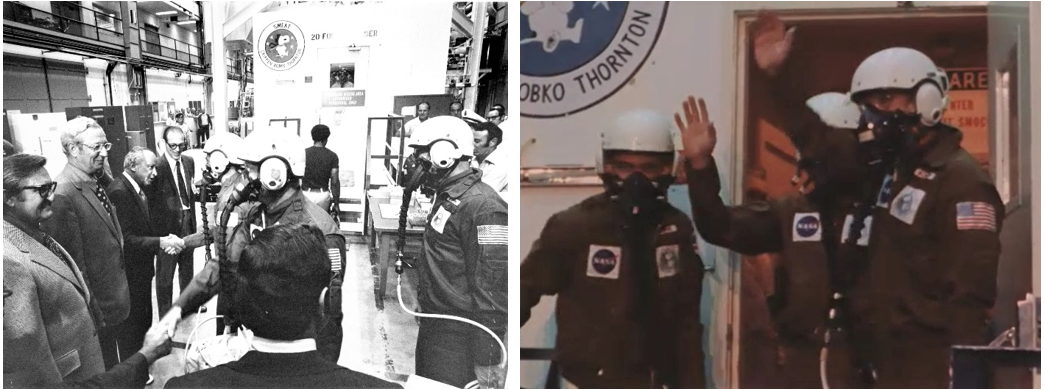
[376,342]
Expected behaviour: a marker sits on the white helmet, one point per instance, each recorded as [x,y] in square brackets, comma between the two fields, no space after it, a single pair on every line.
[638,131]
[836,110]
[448,139]
[229,145]
[904,68]
[263,144]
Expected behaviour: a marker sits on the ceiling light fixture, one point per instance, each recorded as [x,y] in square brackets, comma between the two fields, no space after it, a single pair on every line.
[165,13]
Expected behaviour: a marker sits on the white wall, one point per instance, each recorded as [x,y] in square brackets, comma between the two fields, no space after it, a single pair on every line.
[162,86]
[1035,82]
[174,30]
[695,54]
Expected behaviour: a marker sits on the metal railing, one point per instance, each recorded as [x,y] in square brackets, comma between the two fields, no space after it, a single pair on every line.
[165,46]
[98,26]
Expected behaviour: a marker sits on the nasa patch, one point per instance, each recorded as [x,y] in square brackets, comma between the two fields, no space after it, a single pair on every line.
[905,205]
[604,261]
[667,260]
[281,45]
[865,233]
[806,227]
[575,54]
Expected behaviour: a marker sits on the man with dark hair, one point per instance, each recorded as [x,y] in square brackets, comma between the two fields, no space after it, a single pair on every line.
[321,183]
[170,204]
[50,317]
[281,289]
[455,108]
[498,114]
[275,162]
[85,224]
[422,115]
[488,158]
[141,243]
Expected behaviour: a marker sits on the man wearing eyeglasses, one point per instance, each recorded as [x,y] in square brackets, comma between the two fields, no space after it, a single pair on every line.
[49,312]
[170,204]
[86,225]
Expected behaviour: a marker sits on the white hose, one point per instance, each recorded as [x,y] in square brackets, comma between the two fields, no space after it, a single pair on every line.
[504,351]
[823,367]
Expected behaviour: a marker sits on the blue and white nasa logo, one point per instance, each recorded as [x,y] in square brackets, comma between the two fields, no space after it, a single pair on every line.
[576,54]
[806,227]
[604,261]
[281,45]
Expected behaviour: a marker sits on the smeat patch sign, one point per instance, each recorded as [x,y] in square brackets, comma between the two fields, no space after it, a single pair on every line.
[576,54]
[281,45]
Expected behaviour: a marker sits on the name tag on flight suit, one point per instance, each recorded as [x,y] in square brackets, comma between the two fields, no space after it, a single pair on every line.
[806,227]
[667,260]
[906,204]
[865,233]
[604,261]
[439,220]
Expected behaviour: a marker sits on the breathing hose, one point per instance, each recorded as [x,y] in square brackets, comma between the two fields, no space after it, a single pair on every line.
[400,244]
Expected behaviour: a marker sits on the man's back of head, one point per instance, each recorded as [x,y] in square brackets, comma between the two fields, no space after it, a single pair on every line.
[282,275]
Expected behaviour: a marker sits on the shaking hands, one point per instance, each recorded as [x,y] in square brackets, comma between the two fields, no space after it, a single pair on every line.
[172,244]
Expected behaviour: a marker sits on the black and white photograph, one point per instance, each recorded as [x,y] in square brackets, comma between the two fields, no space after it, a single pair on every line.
[220,194]
[342,76]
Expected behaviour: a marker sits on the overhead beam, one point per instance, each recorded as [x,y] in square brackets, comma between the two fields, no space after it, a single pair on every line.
[232,23]
[462,24]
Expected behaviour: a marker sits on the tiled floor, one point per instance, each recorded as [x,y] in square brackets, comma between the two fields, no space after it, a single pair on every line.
[377,342]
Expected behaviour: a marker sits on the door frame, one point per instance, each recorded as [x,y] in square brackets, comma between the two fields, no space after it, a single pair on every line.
[741,18]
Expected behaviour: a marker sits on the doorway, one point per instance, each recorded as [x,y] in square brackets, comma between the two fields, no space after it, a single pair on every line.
[955,38]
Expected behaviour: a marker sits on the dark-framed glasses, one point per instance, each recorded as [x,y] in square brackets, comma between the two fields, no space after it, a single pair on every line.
[179,147]
[45,190]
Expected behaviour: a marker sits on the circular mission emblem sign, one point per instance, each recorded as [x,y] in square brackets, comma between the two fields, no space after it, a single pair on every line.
[281,45]
[574,55]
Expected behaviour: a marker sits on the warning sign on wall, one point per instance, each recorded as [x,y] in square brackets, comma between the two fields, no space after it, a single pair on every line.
[967,109]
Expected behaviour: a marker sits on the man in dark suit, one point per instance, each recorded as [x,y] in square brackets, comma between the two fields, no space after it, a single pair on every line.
[50,320]
[170,205]
[281,290]
[140,242]
[86,225]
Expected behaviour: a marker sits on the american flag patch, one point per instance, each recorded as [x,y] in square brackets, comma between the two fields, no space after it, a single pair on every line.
[493,235]
[335,259]
[976,216]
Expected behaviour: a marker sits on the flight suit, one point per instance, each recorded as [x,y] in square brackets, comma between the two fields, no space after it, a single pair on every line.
[933,264]
[608,335]
[793,228]
[464,273]
[296,209]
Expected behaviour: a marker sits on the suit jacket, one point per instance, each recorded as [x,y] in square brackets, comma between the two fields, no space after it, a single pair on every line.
[140,240]
[49,328]
[305,370]
[163,196]
[95,241]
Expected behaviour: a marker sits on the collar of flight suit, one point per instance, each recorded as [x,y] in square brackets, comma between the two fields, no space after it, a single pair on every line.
[293,202]
[457,185]
[948,142]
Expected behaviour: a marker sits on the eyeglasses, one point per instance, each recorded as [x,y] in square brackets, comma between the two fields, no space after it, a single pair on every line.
[100,145]
[45,190]
[179,147]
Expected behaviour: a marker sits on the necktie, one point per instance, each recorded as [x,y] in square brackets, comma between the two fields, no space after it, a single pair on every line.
[181,185]
[54,247]
[102,197]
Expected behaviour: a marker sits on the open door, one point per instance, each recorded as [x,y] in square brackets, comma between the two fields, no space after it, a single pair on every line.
[342,75]
[955,38]
[1009,70]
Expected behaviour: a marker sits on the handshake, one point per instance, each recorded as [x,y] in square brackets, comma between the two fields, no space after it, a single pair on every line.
[174,245]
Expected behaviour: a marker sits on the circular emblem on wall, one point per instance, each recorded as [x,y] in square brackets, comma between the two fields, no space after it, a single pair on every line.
[576,54]
[808,226]
[604,261]
[281,45]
